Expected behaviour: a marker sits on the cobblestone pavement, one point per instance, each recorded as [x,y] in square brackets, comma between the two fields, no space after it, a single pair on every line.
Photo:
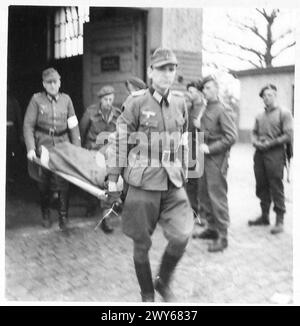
[88,265]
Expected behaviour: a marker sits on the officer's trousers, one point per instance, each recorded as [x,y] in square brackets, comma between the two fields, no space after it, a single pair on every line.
[143,209]
[192,189]
[213,195]
[268,170]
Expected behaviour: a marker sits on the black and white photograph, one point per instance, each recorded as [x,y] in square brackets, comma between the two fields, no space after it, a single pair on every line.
[150,152]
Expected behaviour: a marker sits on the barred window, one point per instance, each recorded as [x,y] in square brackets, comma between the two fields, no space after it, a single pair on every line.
[68,31]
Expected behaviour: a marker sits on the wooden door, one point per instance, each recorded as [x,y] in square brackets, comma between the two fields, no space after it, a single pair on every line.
[113,51]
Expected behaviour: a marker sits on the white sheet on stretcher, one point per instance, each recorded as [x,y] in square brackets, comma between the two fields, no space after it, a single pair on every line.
[90,188]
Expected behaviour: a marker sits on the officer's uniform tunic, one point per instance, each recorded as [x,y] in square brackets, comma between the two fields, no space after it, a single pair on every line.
[220,133]
[273,124]
[156,193]
[49,121]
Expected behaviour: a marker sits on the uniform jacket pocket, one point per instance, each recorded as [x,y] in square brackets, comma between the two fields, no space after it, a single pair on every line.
[133,175]
[148,122]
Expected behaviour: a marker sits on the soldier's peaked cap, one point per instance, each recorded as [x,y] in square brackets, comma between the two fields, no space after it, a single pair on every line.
[50,74]
[268,86]
[106,90]
[162,57]
[206,80]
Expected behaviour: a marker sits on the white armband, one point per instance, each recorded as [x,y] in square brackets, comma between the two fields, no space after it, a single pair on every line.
[72,122]
[185,139]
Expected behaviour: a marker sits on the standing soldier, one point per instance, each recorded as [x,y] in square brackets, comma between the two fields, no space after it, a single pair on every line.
[220,133]
[99,117]
[195,105]
[272,131]
[50,119]
[155,193]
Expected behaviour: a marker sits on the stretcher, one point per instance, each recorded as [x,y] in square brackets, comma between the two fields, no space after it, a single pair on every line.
[86,186]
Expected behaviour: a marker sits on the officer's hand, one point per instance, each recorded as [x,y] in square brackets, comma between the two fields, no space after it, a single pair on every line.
[258,145]
[113,193]
[204,149]
[31,155]
[265,145]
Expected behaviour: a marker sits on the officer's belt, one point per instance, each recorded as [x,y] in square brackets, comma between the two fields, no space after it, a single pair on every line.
[51,131]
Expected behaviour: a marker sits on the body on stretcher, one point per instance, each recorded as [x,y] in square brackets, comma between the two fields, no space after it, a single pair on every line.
[46,161]
[88,187]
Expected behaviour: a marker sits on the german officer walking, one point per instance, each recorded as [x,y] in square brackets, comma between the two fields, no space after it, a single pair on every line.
[220,133]
[156,194]
[272,131]
[99,117]
[50,119]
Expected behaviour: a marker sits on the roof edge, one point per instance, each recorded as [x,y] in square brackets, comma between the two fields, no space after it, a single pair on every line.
[263,71]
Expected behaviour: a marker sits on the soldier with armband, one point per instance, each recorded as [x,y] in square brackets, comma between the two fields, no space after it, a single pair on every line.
[49,120]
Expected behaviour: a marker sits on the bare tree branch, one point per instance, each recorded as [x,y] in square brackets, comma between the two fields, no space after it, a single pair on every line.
[245,48]
[284,48]
[262,12]
[243,26]
[283,35]
[235,56]
[263,57]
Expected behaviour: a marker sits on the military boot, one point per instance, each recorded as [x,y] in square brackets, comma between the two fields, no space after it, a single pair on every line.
[47,223]
[218,245]
[106,228]
[162,280]
[144,276]
[260,221]
[45,203]
[63,210]
[278,228]
[206,234]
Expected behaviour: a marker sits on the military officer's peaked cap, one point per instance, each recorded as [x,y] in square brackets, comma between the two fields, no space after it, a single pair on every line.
[106,90]
[206,80]
[50,74]
[268,86]
[162,57]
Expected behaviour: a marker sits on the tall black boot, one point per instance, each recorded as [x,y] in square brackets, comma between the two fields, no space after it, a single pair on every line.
[162,280]
[63,206]
[261,220]
[106,228]
[278,228]
[144,276]
[45,204]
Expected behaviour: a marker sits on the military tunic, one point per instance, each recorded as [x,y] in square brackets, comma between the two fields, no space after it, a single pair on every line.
[95,121]
[275,124]
[220,133]
[49,121]
[156,191]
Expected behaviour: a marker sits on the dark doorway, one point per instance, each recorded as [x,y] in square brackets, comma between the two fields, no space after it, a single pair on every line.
[30,51]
